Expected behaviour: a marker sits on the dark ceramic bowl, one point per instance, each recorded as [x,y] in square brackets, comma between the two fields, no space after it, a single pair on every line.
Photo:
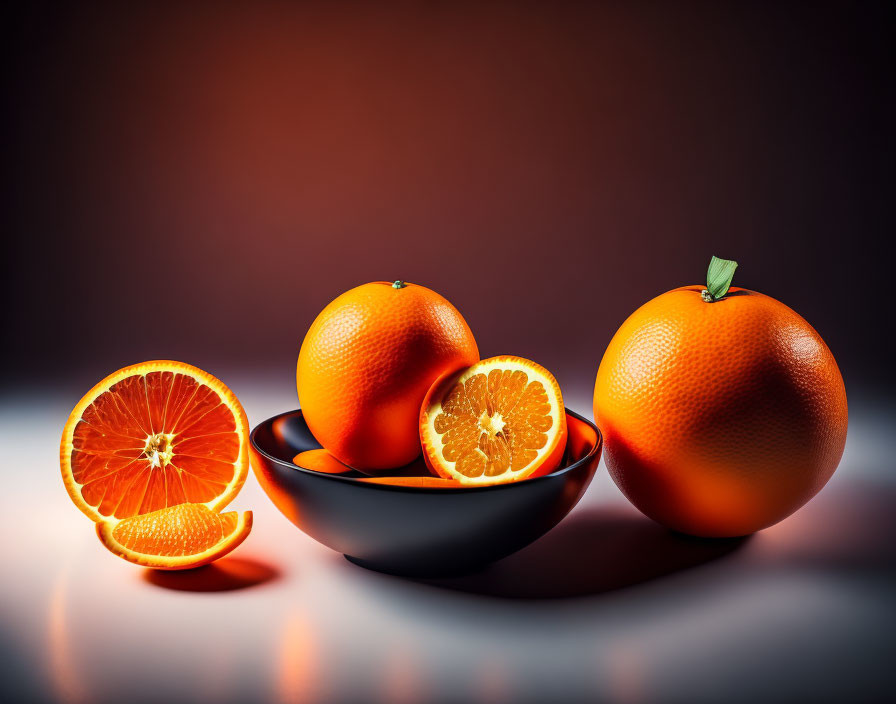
[414,530]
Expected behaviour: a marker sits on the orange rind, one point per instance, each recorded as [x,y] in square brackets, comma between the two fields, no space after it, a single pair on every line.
[154,435]
[151,454]
[175,538]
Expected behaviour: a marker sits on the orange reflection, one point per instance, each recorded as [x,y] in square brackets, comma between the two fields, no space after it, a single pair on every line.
[296,662]
[64,674]
[626,675]
[419,482]
[492,683]
[580,438]
[216,681]
[320,461]
[401,678]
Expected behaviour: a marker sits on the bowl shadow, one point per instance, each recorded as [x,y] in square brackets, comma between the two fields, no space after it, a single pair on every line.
[592,552]
[225,575]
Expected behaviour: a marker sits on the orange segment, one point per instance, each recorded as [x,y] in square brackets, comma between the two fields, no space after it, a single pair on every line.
[151,436]
[175,538]
[416,482]
[320,461]
[500,420]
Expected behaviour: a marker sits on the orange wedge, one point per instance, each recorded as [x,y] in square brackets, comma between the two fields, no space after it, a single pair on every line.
[500,420]
[417,482]
[151,436]
[320,461]
[151,454]
[175,538]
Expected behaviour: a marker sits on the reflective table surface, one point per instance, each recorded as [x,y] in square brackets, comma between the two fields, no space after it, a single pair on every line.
[606,607]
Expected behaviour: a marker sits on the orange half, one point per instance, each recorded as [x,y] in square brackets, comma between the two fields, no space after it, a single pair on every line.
[500,420]
[151,436]
[175,538]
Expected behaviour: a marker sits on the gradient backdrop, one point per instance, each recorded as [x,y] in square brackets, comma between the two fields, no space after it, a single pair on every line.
[196,182]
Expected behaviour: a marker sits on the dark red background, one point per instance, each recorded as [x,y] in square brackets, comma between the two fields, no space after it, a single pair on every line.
[198,181]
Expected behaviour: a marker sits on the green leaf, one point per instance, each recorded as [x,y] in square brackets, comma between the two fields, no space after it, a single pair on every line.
[719,276]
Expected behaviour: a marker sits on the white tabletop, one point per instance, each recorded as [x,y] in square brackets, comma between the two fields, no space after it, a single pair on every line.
[607,607]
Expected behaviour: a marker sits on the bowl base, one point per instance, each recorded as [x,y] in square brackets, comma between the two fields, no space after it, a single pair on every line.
[420,572]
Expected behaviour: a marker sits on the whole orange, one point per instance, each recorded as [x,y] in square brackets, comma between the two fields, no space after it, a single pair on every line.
[367,362]
[722,417]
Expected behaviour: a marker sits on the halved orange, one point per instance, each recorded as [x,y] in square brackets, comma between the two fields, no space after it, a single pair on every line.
[151,436]
[175,538]
[500,420]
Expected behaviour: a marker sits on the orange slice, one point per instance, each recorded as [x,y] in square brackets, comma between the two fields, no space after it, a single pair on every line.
[500,420]
[151,436]
[175,538]
[320,461]
[416,482]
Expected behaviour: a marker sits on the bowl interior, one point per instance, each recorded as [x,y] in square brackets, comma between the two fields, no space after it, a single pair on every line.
[285,436]
[417,530]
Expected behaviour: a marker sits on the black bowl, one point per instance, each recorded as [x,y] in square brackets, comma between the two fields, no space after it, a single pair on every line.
[418,531]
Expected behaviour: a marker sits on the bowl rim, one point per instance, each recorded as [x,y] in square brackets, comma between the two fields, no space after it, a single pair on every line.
[595,450]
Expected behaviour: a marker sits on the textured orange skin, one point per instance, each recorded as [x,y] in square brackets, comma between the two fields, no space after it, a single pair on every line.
[367,362]
[723,418]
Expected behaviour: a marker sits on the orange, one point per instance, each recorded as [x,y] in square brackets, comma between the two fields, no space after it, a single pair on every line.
[500,420]
[151,453]
[416,482]
[720,417]
[366,364]
[320,461]
[154,435]
[179,537]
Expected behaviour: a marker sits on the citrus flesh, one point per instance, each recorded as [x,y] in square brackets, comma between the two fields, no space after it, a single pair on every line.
[178,537]
[500,420]
[151,436]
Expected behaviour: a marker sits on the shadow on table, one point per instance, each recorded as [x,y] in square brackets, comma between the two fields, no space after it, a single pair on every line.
[225,575]
[845,530]
[591,552]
